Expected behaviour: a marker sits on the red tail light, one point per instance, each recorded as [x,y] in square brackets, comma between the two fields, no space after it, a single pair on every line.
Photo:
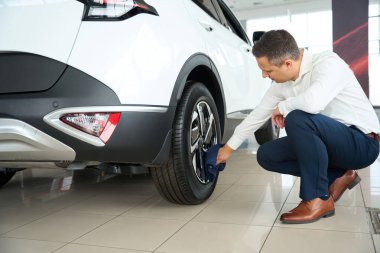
[115,9]
[99,124]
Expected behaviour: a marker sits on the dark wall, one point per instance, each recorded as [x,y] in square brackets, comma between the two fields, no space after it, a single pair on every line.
[350,36]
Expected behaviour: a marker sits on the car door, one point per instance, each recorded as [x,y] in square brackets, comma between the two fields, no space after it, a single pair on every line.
[251,91]
[229,52]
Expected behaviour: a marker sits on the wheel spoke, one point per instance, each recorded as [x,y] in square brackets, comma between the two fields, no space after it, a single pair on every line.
[194,117]
[194,160]
[194,146]
[195,134]
[201,118]
[209,131]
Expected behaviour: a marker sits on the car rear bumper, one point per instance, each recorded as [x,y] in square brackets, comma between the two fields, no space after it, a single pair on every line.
[20,141]
[142,136]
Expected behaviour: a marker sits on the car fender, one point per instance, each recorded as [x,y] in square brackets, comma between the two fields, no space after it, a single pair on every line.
[200,62]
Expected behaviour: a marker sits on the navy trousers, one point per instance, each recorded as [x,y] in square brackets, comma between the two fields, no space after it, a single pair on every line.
[318,149]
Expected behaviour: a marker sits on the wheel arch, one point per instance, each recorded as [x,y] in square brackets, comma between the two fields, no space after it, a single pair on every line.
[199,67]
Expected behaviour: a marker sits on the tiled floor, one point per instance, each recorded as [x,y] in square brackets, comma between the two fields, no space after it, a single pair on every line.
[65,212]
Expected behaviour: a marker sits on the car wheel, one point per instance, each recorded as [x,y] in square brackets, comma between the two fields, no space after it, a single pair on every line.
[5,175]
[267,132]
[196,128]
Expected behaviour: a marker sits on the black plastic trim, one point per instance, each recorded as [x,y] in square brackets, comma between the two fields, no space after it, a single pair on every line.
[196,60]
[235,22]
[139,138]
[25,72]
[163,155]
[207,10]
[193,63]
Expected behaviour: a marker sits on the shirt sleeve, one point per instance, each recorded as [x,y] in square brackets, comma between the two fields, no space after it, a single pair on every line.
[328,80]
[256,118]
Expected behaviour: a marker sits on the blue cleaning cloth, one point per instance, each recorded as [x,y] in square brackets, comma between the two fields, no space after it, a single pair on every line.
[210,162]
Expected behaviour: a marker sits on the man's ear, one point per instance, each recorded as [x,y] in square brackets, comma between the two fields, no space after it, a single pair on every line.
[288,63]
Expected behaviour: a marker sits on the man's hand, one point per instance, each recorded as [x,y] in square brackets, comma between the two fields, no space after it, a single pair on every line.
[223,154]
[277,118]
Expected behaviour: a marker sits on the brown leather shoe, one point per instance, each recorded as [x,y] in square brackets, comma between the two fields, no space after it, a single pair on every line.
[348,180]
[309,211]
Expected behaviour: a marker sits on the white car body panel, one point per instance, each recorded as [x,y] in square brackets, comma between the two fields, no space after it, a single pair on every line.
[241,77]
[139,65]
[46,28]
[145,73]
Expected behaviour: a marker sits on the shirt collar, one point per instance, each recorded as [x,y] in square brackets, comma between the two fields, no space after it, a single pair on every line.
[306,66]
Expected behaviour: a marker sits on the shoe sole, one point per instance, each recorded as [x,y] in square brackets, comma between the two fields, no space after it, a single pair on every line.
[350,186]
[325,215]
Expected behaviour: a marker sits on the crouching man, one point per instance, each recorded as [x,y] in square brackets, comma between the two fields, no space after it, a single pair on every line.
[331,127]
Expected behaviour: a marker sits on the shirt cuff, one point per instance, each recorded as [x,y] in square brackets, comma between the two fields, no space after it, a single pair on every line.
[234,142]
[283,108]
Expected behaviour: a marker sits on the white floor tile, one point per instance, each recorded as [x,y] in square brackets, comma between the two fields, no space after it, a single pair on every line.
[219,190]
[244,213]
[244,164]
[372,197]
[273,179]
[63,226]
[238,170]
[243,168]
[371,171]
[252,193]
[160,208]
[132,233]
[349,219]
[108,203]
[227,179]
[13,245]
[41,196]
[370,182]
[351,197]
[77,248]
[11,218]
[376,239]
[290,240]
[219,238]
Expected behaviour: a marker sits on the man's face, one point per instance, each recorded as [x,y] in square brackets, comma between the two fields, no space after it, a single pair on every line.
[279,74]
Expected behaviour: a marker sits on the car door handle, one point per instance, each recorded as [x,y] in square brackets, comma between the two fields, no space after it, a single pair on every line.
[206,26]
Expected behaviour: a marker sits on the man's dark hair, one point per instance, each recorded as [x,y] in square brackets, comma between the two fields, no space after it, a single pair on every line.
[276,45]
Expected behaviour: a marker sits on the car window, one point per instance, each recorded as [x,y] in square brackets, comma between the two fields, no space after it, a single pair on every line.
[231,22]
[208,7]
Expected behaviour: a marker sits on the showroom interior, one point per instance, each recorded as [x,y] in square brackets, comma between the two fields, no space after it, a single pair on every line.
[118,209]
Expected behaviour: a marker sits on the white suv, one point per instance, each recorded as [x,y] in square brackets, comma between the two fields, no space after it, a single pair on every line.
[110,82]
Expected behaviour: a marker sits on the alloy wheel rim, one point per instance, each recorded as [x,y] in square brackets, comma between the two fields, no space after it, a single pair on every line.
[203,135]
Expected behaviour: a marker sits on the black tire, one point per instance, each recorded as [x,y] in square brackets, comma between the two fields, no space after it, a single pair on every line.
[183,179]
[5,176]
[267,132]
